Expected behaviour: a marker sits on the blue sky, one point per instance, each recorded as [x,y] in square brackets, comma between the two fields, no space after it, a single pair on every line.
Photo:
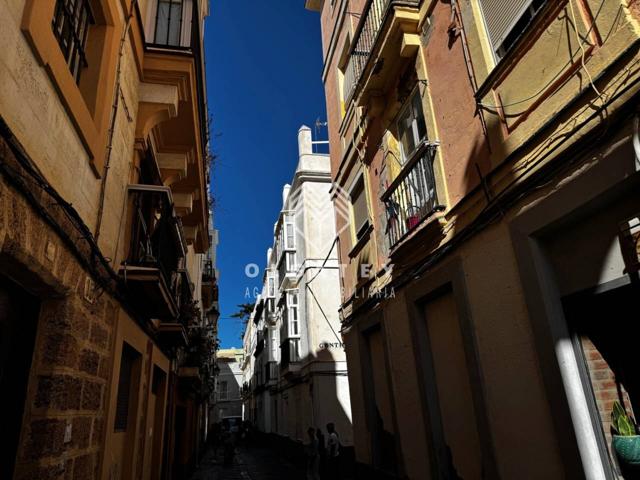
[264,63]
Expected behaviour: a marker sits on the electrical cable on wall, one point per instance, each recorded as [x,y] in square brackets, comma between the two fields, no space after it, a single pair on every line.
[112,123]
[322,311]
[584,52]
[479,223]
[560,72]
[324,262]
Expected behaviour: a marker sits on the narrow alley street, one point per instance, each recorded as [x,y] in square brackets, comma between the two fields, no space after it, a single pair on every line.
[250,463]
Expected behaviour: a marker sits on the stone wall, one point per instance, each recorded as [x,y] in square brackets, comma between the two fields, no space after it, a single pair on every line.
[62,428]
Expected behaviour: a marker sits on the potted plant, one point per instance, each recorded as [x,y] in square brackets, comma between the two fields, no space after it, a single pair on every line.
[413,217]
[626,441]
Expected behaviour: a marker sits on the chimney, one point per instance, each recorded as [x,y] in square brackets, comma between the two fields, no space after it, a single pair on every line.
[304,141]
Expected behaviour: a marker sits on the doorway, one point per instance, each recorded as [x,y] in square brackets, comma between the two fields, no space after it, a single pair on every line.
[18,322]
[604,329]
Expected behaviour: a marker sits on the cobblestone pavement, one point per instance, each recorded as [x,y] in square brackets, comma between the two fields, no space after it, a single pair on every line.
[251,463]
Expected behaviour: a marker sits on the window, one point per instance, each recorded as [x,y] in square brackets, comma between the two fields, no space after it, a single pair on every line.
[126,386]
[506,21]
[169,22]
[291,259]
[274,344]
[294,350]
[71,21]
[222,395]
[259,370]
[271,282]
[292,313]
[290,244]
[345,76]
[412,128]
[360,210]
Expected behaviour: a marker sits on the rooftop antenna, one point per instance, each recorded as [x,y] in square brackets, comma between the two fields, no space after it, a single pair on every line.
[317,126]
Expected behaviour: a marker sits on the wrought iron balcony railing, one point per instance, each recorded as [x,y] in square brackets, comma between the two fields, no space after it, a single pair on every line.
[371,21]
[208,273]
[157,240]
[412,196]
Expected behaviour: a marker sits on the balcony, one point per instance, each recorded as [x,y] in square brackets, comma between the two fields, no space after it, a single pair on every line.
[257,316]
[271,373]
[290,351]
[411,197]
[172,107]
[270,311]
[174,332]
[387,31]
[209,287]
[208,273]
[287,269]
[260,342]
[156,251]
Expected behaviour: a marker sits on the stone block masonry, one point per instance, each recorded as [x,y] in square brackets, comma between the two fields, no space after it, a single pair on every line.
[63,421]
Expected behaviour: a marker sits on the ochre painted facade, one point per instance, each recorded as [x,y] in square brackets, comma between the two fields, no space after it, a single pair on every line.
[519,140]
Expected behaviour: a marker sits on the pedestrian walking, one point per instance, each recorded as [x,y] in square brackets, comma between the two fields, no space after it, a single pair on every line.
[333,453]
[323,453]
[313,455]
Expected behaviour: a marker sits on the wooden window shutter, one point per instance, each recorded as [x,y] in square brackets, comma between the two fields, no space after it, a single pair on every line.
[500,16]
[125,380]
[360,208]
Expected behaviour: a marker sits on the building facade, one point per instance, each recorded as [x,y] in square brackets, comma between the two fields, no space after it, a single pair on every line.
[297,376]
[104,173]
[490,152]
[228,384]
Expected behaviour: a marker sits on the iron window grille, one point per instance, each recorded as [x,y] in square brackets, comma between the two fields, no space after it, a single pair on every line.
[71,22]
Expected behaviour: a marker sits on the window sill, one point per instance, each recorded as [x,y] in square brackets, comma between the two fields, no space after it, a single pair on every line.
[361,242]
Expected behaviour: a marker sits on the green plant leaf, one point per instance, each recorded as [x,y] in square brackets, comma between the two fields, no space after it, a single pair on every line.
[621,422]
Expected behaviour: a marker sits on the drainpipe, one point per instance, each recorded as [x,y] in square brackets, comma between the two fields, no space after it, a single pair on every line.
[636,138]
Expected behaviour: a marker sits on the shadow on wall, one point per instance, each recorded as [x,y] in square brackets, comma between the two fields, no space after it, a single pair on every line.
[308,395]
[228,400]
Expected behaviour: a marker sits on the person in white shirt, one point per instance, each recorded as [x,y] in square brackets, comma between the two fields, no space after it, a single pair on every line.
[333,452]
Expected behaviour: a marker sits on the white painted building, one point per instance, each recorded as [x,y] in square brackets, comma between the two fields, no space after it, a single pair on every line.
[228,384]
[298,373]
